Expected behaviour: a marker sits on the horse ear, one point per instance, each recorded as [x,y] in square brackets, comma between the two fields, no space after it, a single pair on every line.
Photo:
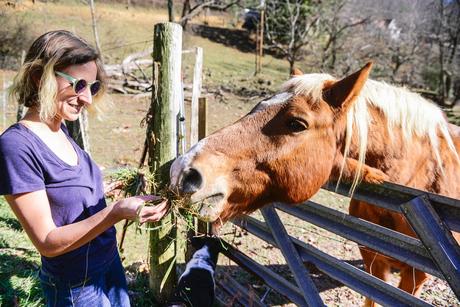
[343,93]
[296,72]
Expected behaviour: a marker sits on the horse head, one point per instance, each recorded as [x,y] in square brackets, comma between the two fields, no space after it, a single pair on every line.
[284,150]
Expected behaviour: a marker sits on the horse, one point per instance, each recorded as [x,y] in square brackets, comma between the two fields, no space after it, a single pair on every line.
[319,128]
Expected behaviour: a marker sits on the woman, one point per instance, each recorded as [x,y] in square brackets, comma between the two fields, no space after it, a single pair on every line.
[54,188]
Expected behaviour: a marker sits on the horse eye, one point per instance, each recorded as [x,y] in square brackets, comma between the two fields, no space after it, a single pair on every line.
[297,125]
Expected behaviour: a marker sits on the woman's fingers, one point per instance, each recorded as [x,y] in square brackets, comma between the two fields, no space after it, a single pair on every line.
[148,197]
[153,213]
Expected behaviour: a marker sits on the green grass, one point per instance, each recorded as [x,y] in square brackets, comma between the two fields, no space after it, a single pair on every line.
[19,263]
[123,32]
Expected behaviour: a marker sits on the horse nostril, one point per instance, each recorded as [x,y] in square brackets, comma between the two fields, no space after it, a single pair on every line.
[191,181]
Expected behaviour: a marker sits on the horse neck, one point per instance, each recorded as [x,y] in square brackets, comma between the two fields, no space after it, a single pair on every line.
[409,161]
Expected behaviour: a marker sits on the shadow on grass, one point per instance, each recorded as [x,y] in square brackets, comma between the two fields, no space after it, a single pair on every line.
[138,285]
[19,283]
[252,284]
[11,223]
[141,295]
[234,38]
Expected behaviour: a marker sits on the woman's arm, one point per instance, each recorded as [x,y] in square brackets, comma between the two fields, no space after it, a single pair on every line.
[34,213]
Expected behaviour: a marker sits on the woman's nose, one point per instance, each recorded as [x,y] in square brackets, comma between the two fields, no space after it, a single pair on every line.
[85,96]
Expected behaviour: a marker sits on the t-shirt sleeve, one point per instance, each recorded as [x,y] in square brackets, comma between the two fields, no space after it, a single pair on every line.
[20,170]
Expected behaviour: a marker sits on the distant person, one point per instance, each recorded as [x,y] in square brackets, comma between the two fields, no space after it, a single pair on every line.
[53,186]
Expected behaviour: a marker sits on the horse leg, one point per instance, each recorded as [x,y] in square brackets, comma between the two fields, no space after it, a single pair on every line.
[412,280]
[373,263]
[375,266]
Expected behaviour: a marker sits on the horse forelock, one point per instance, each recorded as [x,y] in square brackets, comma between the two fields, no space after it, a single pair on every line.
[309,85]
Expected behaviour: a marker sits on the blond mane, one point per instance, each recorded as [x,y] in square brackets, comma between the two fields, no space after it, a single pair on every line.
[402,108]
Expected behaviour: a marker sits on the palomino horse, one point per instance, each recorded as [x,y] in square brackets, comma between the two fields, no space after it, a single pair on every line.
[316,129]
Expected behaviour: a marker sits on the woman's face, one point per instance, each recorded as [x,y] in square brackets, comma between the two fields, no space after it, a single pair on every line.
[69,103]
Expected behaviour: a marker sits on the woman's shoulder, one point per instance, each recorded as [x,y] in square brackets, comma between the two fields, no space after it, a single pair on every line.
[14,138]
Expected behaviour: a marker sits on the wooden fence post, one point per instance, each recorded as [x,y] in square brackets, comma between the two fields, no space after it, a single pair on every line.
[200,227]
[202,117]
[196,92]
[162,148]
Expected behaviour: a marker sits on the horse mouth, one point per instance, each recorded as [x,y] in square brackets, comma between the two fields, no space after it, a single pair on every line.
[209,207]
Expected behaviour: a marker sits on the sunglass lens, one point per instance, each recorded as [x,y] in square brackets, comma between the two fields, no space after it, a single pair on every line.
[95,87]
[80,86]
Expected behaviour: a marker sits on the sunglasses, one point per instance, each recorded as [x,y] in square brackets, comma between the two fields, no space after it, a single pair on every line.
[79,85]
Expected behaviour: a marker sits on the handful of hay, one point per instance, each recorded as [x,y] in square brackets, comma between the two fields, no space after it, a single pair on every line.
[134,182]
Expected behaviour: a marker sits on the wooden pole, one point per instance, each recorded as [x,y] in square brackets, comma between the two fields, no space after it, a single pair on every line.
[162,148]
[261,39]
[203,227]
[196,92]
[200,227]
[256,71]
[202,118]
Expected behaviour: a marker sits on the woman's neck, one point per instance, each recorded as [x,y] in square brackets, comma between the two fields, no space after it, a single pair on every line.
[33,116]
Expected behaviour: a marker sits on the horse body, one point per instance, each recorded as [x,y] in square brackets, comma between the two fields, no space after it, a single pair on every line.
[317,129]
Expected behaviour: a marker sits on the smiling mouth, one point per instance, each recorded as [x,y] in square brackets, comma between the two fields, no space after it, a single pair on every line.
[76,107]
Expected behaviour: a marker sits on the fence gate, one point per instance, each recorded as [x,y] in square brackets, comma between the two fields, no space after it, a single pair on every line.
[431,216]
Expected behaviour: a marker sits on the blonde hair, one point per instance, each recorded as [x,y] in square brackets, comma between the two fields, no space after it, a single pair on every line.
[35,84]
[414,114]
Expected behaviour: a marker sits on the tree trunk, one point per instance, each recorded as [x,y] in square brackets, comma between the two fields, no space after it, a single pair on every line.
[171,10]
[94,25]
[185,10]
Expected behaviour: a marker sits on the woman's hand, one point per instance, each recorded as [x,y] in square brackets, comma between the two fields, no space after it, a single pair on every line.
[133,207]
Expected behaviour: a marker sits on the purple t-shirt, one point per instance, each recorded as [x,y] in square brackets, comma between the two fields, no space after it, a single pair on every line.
[74,193]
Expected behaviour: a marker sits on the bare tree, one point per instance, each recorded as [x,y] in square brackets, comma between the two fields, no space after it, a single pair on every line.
[447,38]
[395,36]
[191,10]
[290,26]
[335,27]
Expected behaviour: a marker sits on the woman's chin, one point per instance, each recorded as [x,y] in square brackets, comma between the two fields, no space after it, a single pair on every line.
[72,115]
[71,118]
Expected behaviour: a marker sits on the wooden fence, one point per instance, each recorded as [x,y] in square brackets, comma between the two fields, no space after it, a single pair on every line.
[431,216]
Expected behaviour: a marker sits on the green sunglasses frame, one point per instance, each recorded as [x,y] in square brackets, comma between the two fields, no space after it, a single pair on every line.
[73,81]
